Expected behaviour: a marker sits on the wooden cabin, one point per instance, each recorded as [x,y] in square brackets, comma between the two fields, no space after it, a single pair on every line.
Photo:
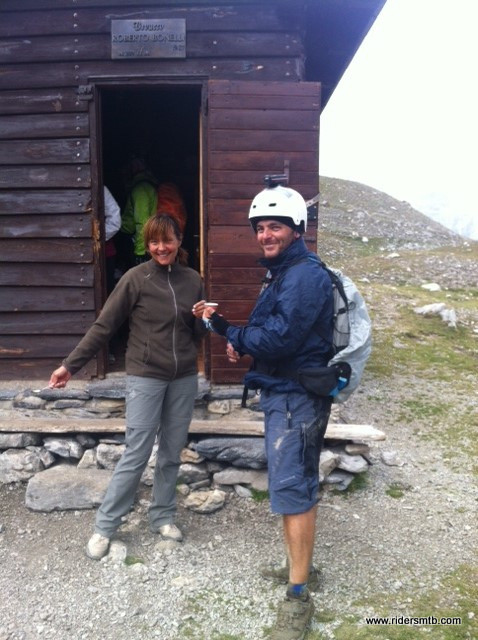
[214,94]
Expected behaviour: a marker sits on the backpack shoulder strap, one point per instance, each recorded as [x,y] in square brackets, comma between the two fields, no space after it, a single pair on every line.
[337,282]
[340,307]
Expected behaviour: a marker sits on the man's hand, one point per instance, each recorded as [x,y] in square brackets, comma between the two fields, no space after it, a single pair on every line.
[208,309]
[232,354]
[59,378]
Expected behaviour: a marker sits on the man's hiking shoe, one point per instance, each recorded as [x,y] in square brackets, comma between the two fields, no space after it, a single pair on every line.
[97,546]
[280,573]
[293,619]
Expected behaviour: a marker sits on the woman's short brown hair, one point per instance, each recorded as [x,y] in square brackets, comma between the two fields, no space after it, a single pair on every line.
[163,227]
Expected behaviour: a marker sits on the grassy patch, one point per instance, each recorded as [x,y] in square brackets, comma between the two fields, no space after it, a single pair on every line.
[130,560]
[396,490]
[429,356]
[348,245]
[452,425]
[200,606]
[423,409]
[259,496]
[456,599]
[189,633]
[325,616]
[359,483]
[425,346]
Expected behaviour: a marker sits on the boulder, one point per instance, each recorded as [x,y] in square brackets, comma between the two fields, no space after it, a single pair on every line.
[240,452]
[65,487]
[205,501]
[18,465]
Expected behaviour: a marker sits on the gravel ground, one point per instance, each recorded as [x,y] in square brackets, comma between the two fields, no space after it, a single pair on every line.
[368,544]
[209,587]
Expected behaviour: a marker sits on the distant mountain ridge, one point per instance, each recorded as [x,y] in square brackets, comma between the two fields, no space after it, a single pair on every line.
[374,237]
[452,216]
[353,209]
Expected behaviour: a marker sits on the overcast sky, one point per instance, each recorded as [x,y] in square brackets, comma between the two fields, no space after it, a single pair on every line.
[403,119]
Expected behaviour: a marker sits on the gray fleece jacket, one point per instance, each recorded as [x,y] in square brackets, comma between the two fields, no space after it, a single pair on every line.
[163,332]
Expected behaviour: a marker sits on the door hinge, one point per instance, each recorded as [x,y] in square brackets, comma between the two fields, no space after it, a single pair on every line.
[85,92]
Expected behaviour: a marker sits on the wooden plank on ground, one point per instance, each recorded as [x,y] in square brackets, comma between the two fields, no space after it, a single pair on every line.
[221,426]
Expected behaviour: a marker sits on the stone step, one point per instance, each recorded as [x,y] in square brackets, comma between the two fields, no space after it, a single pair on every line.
[219,427]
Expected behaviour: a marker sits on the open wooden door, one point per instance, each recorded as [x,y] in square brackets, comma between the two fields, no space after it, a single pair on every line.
[253,129]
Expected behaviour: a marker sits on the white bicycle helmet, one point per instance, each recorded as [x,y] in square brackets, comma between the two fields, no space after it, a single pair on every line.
[279,202]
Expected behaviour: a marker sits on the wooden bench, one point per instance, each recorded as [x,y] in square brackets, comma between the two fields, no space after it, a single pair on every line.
[219,427]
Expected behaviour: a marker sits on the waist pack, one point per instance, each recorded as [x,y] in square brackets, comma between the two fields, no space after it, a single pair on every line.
[325,381]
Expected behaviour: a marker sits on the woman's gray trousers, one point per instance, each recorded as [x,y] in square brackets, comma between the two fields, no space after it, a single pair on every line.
[152,407]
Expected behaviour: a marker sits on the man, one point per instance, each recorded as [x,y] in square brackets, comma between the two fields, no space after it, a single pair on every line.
[289,329]
[140,205]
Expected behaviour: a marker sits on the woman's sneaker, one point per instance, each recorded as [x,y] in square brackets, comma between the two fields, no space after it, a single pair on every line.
[279,572]
[97,546]
[170,532]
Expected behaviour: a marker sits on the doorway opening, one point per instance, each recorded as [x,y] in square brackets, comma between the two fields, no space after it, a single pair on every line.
[161,125]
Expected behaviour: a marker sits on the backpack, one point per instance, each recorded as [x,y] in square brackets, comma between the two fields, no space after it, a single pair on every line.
[352,337]
[171,202]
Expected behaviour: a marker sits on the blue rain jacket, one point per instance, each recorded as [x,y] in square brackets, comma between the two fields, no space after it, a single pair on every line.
[291,325]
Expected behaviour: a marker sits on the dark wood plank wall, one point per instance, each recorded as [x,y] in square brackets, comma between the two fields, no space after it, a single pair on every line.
[254,128]
[48,232]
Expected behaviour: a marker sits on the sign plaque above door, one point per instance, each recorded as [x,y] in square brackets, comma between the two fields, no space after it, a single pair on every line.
[148,38]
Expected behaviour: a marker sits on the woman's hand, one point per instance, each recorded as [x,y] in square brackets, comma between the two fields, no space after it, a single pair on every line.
[59,378]
[198,308]
[203,309]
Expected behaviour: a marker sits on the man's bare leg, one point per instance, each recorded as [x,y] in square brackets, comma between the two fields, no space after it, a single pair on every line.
[299,535]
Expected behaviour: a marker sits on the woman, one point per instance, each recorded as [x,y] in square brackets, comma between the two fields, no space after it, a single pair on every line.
[160,300]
